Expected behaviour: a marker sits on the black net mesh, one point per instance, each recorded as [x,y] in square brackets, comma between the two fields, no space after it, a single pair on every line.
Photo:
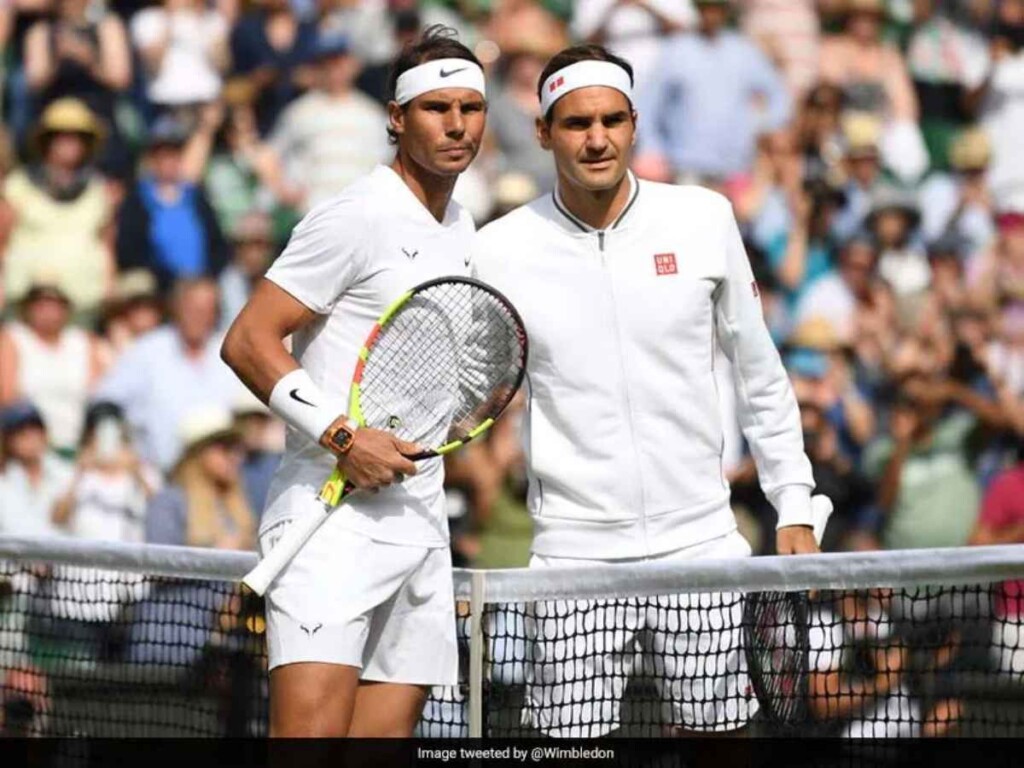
[93,652]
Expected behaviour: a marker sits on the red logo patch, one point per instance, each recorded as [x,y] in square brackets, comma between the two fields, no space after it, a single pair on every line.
[556,84]
[665,263]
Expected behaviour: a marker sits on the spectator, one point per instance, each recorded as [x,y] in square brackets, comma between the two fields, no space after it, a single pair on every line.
[166,224]
[244,173]
[55,364]
[928,490]
[1002,100]
[253,250]
[633,30]
[995,277]
[865,671]
[818,131]
[262,439]
[269,47]
[874,79]
[835,476]
[947,63]
[334,134]
[134,310]
[205,505]
[107,498]
[959,202]
[839,295]
[184,52]
[766,204]
[31,477]
[512,110]
[862,169]
[700,120]
[902,261]
[788,31]
[1001,521]
[171,370]
[56,214]
[805,253]
[83,53]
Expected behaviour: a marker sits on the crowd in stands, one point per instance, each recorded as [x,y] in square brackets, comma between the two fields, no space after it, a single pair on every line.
[155,155]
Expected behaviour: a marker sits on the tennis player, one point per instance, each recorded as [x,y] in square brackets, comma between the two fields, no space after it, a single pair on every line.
[361,622]
[626,287]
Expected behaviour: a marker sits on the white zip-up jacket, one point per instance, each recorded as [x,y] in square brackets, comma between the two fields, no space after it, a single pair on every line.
[623,436]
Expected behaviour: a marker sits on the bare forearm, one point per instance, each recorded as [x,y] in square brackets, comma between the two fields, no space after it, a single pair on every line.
[257,356]
[989,412]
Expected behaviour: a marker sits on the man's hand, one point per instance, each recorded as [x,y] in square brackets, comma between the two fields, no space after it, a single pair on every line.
[796,540]
[376,460]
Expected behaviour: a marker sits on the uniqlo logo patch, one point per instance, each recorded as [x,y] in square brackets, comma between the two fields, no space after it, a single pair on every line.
[665,263]
[556,84]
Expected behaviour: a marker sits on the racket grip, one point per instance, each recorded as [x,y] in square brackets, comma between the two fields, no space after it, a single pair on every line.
[297,534]
[821,511]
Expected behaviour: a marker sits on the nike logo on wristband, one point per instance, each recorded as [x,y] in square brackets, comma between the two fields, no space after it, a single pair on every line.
[294,395]
[452,72]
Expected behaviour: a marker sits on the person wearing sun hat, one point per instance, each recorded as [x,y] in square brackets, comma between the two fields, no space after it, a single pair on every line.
[960,200]
[205,504]
[60,209]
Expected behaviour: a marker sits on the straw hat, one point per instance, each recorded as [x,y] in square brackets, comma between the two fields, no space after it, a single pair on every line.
[203,426]
[68,115]
[862,134]
[818,333]
[971,150]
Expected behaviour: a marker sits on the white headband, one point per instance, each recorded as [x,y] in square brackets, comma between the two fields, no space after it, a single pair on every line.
[440,73]
[584,74]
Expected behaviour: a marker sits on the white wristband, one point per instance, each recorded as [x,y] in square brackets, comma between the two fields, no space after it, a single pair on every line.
[303,405]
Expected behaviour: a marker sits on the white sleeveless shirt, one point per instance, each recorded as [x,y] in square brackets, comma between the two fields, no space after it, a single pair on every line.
[55,378]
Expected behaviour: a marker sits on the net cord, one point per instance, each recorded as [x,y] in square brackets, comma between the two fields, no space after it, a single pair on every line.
[847,570]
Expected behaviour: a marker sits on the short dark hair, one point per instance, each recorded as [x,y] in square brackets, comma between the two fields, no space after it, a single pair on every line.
[436,42]
[574,55]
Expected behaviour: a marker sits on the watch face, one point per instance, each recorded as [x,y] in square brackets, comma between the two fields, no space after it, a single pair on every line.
[342,438]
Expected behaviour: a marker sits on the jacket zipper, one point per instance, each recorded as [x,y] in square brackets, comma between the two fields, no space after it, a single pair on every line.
[625,386]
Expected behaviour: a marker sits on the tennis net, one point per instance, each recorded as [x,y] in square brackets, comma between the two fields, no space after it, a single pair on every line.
[117,640]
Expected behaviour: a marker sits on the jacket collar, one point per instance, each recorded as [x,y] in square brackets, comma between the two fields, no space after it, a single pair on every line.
[575,224]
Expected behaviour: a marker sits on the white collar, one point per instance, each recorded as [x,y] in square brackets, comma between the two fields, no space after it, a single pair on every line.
[562,208]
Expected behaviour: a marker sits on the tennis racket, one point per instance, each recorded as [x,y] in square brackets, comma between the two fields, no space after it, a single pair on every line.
[441,364]
[776,637]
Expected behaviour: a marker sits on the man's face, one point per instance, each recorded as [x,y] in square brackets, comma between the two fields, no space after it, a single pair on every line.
[196,313]
[337,73]
[713,16]
[165,163]
[26,444]
[856,266]
[441,130]
[591,134]
[67,149]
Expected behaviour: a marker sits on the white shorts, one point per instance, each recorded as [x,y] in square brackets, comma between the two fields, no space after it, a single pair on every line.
[388,609]
[584,652]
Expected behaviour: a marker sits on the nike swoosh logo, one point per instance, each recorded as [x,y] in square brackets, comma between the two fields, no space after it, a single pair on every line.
[452,72]
[294,395]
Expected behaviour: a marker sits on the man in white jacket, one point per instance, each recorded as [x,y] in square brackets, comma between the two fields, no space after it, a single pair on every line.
[626,287]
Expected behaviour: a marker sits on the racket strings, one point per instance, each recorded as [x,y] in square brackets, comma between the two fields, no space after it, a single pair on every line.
[450,358]
[778,654]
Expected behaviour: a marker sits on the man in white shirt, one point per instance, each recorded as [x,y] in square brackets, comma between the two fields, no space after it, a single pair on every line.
[362,621]
[331,136]
[626,288]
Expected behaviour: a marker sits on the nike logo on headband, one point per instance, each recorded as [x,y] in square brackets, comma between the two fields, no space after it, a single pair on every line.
[294,395]
[451,72]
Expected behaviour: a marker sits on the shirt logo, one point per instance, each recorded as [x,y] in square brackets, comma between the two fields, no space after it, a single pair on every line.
[294,395]
[556,84]
[410,255]
[665,263]
[310,631]
[451,72]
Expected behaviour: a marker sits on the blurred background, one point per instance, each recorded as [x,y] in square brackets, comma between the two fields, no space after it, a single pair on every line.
[156,155]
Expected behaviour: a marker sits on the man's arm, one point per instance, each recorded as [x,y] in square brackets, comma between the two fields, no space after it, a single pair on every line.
[767,409]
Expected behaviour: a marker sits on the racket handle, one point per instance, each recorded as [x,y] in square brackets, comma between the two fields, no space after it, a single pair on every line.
[821,511]
[297,534]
